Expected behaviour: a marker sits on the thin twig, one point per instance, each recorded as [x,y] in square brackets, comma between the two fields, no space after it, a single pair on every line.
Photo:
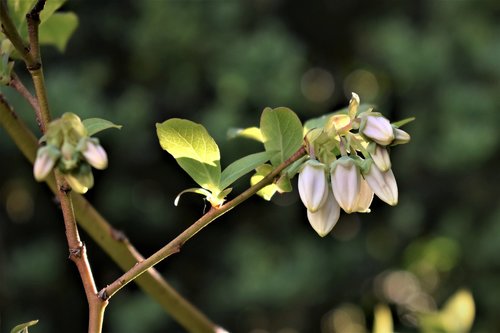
[16,83]
[175,245]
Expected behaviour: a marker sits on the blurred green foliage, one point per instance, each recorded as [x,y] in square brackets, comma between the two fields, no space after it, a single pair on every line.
[261,268]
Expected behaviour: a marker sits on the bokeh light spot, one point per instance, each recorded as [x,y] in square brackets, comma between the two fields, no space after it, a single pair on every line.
[317,85]
[363,82]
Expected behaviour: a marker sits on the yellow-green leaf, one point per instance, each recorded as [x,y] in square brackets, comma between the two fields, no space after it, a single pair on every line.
[58,29]
[194,149]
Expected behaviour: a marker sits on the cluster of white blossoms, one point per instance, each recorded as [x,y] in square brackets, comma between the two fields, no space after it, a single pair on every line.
[349,163]
[68,147]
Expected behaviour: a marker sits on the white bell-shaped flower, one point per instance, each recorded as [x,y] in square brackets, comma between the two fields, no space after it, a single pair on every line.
[365,197]
[377,128]
[383,184]
[346,180]
[325,218]
[313,185]
[380,157]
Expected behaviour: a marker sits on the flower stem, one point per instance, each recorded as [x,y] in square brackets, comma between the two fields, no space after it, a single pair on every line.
[175,245]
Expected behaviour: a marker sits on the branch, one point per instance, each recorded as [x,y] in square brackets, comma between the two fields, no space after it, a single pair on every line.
[78,253]
[18,85]
[175,245]
[118,248]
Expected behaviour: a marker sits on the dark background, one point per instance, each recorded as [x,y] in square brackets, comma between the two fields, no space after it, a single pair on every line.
[261,268]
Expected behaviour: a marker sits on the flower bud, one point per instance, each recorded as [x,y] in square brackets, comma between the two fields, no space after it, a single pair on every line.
[383,184]
[69,157]
[95,154]
[380,157]
[400,137]
[346,180]
[325,218]
[46,158]
[377,128]
[365,198]
[313,185]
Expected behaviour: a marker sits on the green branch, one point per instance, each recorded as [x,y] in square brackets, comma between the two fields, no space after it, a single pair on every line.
[175,245]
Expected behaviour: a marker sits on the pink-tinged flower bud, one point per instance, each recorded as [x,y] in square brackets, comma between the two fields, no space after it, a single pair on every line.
[46,158]
[313,185]
[400,137]
[346,180]
[95,154]
[325,218]
[383,184]
[377,128]
[365,197]
[380,156]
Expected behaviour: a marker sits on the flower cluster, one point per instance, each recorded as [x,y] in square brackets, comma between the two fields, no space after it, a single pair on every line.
[349,164]
[67,147]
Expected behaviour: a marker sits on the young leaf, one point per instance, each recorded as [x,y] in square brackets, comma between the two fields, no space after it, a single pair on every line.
[194,149]
[268,191]
[282,132]
[23,328]
[96,125]
[403,122]
[50,8]
[243,166]
[249,133]
[58,29]
[18,10]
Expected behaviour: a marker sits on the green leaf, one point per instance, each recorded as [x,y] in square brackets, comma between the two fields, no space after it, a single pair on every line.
[282,132]
[50,8]
[18,10]
[96,125]
[321,121]
[23,328]
[253,133]
[268,191]
[58,29]
[194,149]
[403,122]
[243,166]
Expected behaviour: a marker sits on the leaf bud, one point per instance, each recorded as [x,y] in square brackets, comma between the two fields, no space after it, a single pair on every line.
[80,180]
